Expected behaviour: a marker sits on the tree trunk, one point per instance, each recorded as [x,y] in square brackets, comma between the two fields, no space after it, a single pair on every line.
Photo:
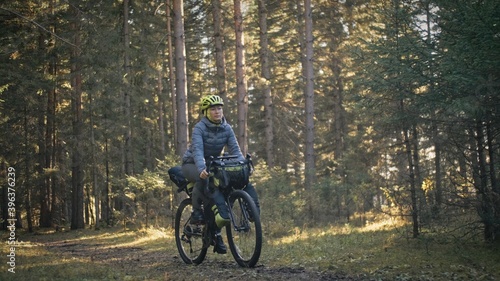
[241,83]
[45,129]
[437,177]
[421,199]
[161,121]
[171,75]
[438,192]
[95,186]
[77,220]
[495,190]
[339,131]
[302,50]
[413,189]
[126,92]
[27,199]
[266,83]
[50,145]
[219,50]
[411,173]
[88,217]
[485,193]
[44,219]
[105,208]
[181,79]
[492,158]
[310,166]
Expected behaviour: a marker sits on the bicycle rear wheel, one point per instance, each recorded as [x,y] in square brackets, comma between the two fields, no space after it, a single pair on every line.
[188,238]
[244,235]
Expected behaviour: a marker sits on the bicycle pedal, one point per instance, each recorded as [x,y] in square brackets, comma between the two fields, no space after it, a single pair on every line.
[193,229]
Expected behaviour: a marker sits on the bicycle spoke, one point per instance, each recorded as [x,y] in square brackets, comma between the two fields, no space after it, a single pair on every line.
[244,236]
[188,237]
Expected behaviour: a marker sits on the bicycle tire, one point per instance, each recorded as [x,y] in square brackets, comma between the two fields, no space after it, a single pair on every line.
[189,241]
[245,235]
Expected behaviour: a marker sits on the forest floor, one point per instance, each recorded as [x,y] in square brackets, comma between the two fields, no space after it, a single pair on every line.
[117,254]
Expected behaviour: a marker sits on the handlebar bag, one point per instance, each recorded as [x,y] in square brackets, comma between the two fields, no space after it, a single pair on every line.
[231,173]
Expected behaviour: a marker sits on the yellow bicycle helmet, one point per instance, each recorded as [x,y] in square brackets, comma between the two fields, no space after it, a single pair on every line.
[209,101]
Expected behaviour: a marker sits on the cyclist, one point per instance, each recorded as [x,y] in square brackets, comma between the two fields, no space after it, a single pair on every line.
[209,138]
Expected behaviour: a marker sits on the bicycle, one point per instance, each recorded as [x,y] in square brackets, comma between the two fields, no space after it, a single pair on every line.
[244,233]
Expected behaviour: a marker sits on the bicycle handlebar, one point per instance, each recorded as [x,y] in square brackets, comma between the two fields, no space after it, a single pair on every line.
[212,159]
[223,157]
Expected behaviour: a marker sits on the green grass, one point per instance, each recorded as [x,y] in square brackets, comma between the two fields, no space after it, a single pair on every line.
[383,252]
[379,251]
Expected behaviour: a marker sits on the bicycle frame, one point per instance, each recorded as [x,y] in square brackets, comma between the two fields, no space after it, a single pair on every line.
[244,235]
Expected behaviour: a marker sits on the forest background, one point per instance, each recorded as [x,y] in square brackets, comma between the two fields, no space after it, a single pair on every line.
[349,108]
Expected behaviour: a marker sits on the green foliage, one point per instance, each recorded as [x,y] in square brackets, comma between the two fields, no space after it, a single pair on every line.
[150,194]
[277,198]
[148,197]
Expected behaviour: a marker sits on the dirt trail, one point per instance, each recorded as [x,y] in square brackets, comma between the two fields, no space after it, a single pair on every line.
[136,262]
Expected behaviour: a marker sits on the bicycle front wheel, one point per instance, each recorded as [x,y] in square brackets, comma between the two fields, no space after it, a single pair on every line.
[244,235]
[188,238]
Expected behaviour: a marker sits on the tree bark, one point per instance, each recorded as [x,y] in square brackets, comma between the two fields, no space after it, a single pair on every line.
[485,193]
[241,83]
[95,186]
[27,199]
[220,60]
[161,119]
[105,208]
[77,219]
[171,76]
[411,173]
[495,192]
[310,166]
[126,92]
[265,73]
[180,77]
[45,191]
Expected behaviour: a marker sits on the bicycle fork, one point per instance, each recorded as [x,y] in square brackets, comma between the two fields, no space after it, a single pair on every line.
[243,225]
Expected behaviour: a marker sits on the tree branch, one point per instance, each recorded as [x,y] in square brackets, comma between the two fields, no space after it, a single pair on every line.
[40,26]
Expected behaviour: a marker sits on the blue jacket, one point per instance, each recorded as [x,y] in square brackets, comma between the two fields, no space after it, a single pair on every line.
[209,139]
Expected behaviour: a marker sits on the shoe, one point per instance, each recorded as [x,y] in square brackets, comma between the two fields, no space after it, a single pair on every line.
[220,247]
[197,217]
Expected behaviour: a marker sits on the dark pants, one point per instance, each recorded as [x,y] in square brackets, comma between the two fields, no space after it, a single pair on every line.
[191,173]
[199,195]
